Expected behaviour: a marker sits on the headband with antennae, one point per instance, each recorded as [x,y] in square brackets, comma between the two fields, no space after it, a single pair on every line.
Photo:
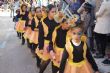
[65,8]
[70,13]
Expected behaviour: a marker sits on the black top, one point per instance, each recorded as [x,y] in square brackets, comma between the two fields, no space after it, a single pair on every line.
[41,32]
[41,36]
[61,37]
[78,57]
[25,16]
[51,24]
[27,23]
[34,23]
[78,52]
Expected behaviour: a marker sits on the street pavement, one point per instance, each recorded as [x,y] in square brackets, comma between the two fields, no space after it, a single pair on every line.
[15,58]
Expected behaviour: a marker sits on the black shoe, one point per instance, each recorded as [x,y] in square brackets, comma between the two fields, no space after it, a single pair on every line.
[22,43]
[19,37]
[106,62]
[38,65]
[33,54]
[38,61]
[28,45]
[99,56]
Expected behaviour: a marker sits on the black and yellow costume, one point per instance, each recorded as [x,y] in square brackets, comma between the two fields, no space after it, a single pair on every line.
[23,16]
[28,29]
[28,26]
[77,59]
[59,41]
[47,29]
[45,41]
[35,33]
[22,20]
[35,36]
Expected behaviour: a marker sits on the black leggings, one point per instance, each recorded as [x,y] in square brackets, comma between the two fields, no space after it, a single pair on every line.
[38,61]
[34,46]
[28,44]
[54,69]
[44,65]
[101,43]
[19,34]
[23,39]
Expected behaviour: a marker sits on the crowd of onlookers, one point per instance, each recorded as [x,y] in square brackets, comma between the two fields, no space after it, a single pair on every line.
[97,23]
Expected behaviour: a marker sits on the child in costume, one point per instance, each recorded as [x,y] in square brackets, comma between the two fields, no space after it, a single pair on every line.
[76,56]
[48,25]
[28,30]
[16,19]
[59,41]
[34,39]
[44,12]
[21,23]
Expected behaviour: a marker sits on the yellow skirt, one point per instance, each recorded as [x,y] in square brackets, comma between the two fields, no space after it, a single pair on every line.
[44,54]
[27,33]
[82,67]
[17,26]
[20,26]
[39,53]
[34,37]
[58,56]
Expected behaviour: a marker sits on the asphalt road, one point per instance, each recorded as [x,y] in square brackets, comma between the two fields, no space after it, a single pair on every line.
[14,58]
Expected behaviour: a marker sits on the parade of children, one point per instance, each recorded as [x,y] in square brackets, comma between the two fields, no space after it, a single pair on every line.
[63,38]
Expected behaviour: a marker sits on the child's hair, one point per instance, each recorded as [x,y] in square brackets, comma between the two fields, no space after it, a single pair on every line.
[64,20]
[78,25]
[49,7]
[44,7]
[23,5]
[36,8]
[18,10]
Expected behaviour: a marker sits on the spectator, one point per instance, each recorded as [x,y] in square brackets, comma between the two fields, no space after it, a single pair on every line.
[87,17]
[102,28]
[75,6]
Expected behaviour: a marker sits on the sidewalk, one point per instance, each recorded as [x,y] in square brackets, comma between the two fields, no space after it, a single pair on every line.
[5,12]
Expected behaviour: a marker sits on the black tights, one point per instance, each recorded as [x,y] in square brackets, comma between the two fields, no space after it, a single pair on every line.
[28,43]
[19,34]
[54,69]
[38,61]
[33,47]
[23,39]
[44,65]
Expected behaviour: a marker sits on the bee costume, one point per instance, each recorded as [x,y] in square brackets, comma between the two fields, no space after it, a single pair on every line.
[77,59]
[22,20]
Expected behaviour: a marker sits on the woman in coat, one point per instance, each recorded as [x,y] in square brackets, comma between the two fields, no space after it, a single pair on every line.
[102,27]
